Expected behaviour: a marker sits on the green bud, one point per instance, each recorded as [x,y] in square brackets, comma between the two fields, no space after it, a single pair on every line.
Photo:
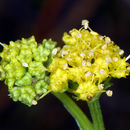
[2,73]
[37,69]
[6,56]
[15,93]
[14,69]
[39,58]
[12,44]
[25,55]
[9,69]
[25,94]
[40,53]
[43,51]
[17,44]
[19,72]
[25,80]
[18,69]
[49,44]
[3,63]
[13,49]
[47,79]
[10,82]
[31,42]
[41,87]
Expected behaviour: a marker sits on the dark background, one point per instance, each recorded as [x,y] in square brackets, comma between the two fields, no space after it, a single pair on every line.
[50,18]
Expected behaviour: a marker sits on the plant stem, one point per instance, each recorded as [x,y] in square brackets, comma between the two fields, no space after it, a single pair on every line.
[81,119]
[95,110]
[96,114]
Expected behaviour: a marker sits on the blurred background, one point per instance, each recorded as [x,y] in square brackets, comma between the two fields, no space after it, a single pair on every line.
[50,18]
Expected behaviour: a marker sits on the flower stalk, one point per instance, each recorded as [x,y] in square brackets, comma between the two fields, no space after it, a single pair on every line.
[95,109]
[96,114]
[81,119]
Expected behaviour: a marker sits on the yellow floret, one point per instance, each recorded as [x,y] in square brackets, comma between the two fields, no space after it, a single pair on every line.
[58,82]
[57,63]
[119,68]
[86,90]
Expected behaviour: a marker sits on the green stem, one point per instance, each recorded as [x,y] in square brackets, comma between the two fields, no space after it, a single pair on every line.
[96,114]
[95,110]
[75,111]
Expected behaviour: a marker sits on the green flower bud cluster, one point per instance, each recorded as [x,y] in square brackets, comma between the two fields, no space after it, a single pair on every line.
[23,67]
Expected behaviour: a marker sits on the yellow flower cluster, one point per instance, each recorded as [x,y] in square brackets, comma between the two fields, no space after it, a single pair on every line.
[87,58]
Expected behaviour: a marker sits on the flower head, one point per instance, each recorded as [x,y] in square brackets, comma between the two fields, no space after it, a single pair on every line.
[32,70]
[24,68]
[87,58]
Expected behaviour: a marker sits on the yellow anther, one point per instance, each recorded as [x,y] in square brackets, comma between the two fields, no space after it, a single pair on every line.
[82,55]
[128,68]
[108,59]
[55,51]
[104,46]
[102,71]
[115,59]
[121,52]
[100,86]
[85,23]
[65,66]
[90,53]
[79,35]
[69,59]
[34,102]
[101,37]
[88,64]
[88,74]
[64,53]
[109,93]
[25,64]
[107,40]
[84,63]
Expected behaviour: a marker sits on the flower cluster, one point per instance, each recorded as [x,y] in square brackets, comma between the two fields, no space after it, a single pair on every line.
[87,59]
[23,67]
[32,70]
